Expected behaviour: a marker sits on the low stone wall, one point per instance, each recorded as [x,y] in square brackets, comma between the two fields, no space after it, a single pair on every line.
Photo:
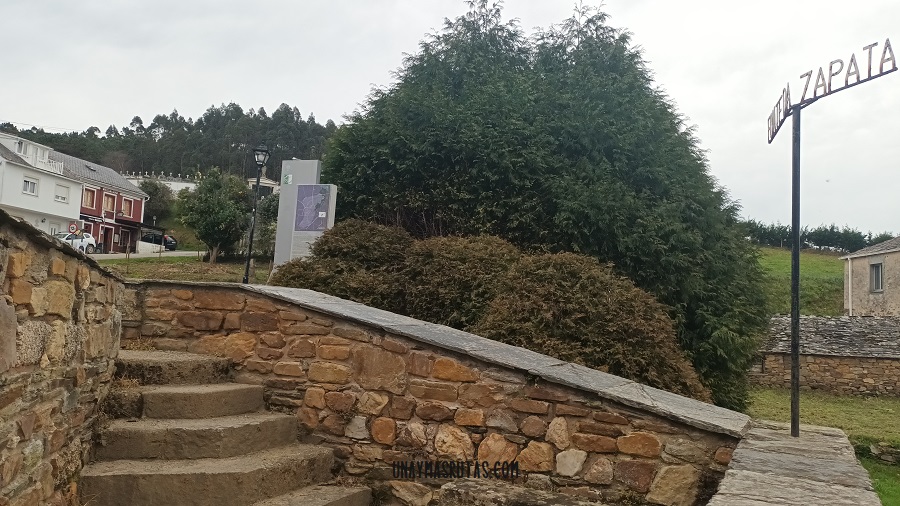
[383,390]
[841,375]
[853,355]
[59,331]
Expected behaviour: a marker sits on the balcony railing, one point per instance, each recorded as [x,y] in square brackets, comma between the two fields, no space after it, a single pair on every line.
[51,165]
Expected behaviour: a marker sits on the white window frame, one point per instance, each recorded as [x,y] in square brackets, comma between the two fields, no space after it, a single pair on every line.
[55,227]
[84,195]
[61,195]
[22,148]
[35,181]
[876,277]
[103,204]
[131,212]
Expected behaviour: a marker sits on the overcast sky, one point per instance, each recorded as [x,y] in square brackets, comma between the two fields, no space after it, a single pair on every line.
[72,65]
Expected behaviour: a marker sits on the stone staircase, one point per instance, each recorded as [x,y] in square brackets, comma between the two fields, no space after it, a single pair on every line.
[187,436]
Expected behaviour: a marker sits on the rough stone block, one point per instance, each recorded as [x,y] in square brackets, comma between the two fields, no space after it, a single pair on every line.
[643,444]
[294,369]
[453,443]
[496,448]
[377,369]
[570,462]
[372,403]
[329,352]
[435,390]
[17,264]
[451,370]
[675,486]
[200,320]
[434,411]
[529,406]
[635,474]
[593,443]
[327,372]
[536,457]
[20,290]
[220,299]
[384,430]
[259,322]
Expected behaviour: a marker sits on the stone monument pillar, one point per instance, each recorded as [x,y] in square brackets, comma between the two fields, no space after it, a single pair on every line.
[305,209]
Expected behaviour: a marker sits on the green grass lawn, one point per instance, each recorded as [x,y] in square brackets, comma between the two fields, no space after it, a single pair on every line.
[886,479]
[865,420]
[183,269]
[821,282]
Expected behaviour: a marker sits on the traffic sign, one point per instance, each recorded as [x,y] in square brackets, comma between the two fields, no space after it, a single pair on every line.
[73,228]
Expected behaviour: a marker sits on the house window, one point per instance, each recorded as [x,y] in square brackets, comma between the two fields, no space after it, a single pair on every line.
[127,205]
[54,228]
[21,148]
[88,198]
[877,280]
[62,194]
[30,186]
[109,203]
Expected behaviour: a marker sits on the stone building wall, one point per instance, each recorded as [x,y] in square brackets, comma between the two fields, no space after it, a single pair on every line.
[59,333]
[866,301]
[383,389]
[841,375]
[858,355]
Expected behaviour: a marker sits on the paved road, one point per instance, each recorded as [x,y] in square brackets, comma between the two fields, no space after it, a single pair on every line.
[176,253]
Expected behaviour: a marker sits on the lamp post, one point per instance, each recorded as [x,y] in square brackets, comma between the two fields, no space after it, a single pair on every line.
[261,153]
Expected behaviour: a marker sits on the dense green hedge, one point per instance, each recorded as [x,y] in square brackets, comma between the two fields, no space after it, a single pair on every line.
[567,306]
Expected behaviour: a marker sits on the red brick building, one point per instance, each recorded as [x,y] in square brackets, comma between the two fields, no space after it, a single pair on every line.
[112,208]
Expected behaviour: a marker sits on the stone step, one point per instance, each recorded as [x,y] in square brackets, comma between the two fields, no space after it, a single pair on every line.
[322,495]
[480,492]
[233,481]
[171,367]
[201,401]
[220,437]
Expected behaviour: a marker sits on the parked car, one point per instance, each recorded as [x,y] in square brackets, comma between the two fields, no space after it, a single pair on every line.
[167,241]
[83,241]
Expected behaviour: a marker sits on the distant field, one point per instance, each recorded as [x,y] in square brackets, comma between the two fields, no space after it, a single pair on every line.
[821,282]
[183,269]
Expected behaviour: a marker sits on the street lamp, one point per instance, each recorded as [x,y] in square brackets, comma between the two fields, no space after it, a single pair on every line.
[261,153]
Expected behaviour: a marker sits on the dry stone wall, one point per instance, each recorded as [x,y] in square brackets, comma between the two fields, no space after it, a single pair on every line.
[856,355]
[384,390]
[59,333]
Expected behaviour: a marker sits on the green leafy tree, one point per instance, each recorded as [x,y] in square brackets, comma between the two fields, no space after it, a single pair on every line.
[217,210]
[161,203]
[559,142]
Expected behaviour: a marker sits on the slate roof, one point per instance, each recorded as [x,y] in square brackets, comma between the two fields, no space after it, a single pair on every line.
[843,336]
[888,246]
[7,154]
[90,172]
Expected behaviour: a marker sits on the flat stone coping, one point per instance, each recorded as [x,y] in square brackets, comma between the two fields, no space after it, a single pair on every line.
[770,467]
[659,402]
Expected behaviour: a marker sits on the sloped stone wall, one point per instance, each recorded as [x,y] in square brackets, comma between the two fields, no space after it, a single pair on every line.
[383,389]
[59,333]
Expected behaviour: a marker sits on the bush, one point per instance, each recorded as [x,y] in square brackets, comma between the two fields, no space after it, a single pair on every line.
[355,260]
[452,279]
[576,309]
[345,279]
[565,305]
[365,244]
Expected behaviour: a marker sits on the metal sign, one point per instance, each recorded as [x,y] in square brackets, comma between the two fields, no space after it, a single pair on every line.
[848,76]
[838,77]
[73,228]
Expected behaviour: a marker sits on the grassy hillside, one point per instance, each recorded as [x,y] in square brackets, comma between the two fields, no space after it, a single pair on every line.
[821,282]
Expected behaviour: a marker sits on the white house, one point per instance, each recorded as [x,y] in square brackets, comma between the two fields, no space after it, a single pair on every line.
[33,187]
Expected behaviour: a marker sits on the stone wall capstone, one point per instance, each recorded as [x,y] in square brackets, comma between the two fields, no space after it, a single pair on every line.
[386,391]
[59,333]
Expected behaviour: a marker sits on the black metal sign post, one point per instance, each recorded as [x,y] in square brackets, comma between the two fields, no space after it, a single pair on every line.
[824,86]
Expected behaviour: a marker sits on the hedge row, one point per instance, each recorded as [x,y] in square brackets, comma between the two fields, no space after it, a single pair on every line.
[564,305]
